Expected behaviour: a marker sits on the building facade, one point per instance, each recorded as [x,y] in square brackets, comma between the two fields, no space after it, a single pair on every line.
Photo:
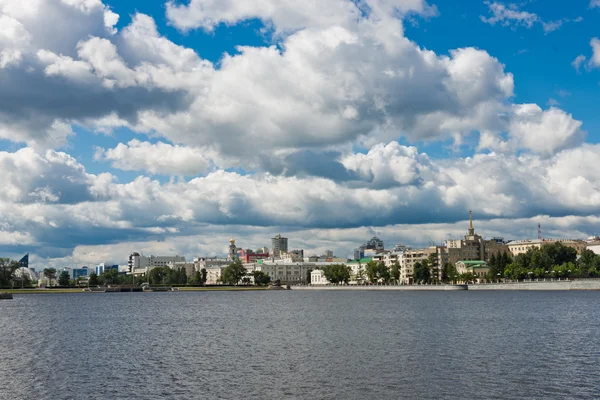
[279,245]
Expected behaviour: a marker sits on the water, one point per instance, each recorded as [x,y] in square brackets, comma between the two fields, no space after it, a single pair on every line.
[301,345]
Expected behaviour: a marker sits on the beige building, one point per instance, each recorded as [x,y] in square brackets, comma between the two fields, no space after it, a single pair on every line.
[478,268]
[473,246]
[517,247]
[410,257]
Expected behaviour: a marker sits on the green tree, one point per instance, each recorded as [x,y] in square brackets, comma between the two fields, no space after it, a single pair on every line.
[559,253]
[63,279]
[395,271]
[261,278]
[50,274]
[233,273]
[449,272]
[337,273]
[94,281]
[110,276]
[589,263]
[7,270]
[377,271]
[421,272]
[203,274]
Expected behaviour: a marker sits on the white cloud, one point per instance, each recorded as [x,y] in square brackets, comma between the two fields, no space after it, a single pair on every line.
[544,132]
[595,59]
[158,158]
[511,15]
[578,61]
[594,3]
[287,15]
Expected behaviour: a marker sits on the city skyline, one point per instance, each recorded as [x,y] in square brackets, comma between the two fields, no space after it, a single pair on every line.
[169,127]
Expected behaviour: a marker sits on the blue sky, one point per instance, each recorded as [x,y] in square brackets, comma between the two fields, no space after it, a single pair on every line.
[334,122]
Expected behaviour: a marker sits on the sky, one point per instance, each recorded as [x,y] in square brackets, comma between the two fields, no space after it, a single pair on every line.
[169,127]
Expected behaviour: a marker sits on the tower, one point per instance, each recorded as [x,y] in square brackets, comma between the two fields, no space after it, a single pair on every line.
[539,232]
[471,229]
[232,256]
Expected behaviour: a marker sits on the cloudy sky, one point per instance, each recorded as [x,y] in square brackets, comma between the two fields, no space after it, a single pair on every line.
[166,128]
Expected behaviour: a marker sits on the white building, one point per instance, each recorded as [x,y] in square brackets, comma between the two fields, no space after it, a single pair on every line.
[317,277]
[141,264]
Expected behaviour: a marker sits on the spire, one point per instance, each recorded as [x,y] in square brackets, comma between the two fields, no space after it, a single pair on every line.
[471,230]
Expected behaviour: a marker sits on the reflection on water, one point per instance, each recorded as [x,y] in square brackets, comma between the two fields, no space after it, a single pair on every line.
[300,345]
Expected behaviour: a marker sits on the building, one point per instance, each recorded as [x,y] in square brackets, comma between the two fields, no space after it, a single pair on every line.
[210,262]
[141,265]
[478,268]
[517,247]
[473,246]
[359,253]
[101,268]
[279,245]
[358,270]
[233,251]
[213,275]
[250,256]
[373,244]
[317,277]
[189,267]
[437,254]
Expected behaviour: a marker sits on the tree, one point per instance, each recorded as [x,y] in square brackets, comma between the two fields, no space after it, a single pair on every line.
[50,274]
[589,263]
[449,272]
[233,273]
[203,274]
[110,276]
[395,271]
[7,269]
[377,271]
[63,279]
[93,280]
[261,278]
[337,273]
[421,272]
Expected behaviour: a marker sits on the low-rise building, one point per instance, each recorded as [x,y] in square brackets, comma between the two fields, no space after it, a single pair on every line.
[478,268]
[317,277]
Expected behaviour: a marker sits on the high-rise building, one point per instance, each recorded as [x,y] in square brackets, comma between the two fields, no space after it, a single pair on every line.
[279,245]
[373,244]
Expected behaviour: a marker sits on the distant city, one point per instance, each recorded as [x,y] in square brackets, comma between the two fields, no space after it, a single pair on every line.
[471,253]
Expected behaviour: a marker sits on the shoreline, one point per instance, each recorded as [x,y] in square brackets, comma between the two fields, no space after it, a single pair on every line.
[179,289]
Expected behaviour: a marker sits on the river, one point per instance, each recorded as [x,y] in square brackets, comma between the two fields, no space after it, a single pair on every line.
[301,345]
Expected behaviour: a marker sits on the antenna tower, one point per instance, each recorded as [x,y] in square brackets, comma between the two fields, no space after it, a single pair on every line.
[539,232]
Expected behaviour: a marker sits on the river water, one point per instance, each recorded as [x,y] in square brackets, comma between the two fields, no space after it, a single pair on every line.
[301,345]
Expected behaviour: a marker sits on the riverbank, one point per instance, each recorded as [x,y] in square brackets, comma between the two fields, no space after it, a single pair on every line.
[178,289]
[581,284]
[385,287]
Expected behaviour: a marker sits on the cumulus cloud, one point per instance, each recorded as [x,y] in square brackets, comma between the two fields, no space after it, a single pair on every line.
[157,158]
[58,67]
[287,15]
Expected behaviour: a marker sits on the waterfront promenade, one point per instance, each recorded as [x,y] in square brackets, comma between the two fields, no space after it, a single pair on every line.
[575,284]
